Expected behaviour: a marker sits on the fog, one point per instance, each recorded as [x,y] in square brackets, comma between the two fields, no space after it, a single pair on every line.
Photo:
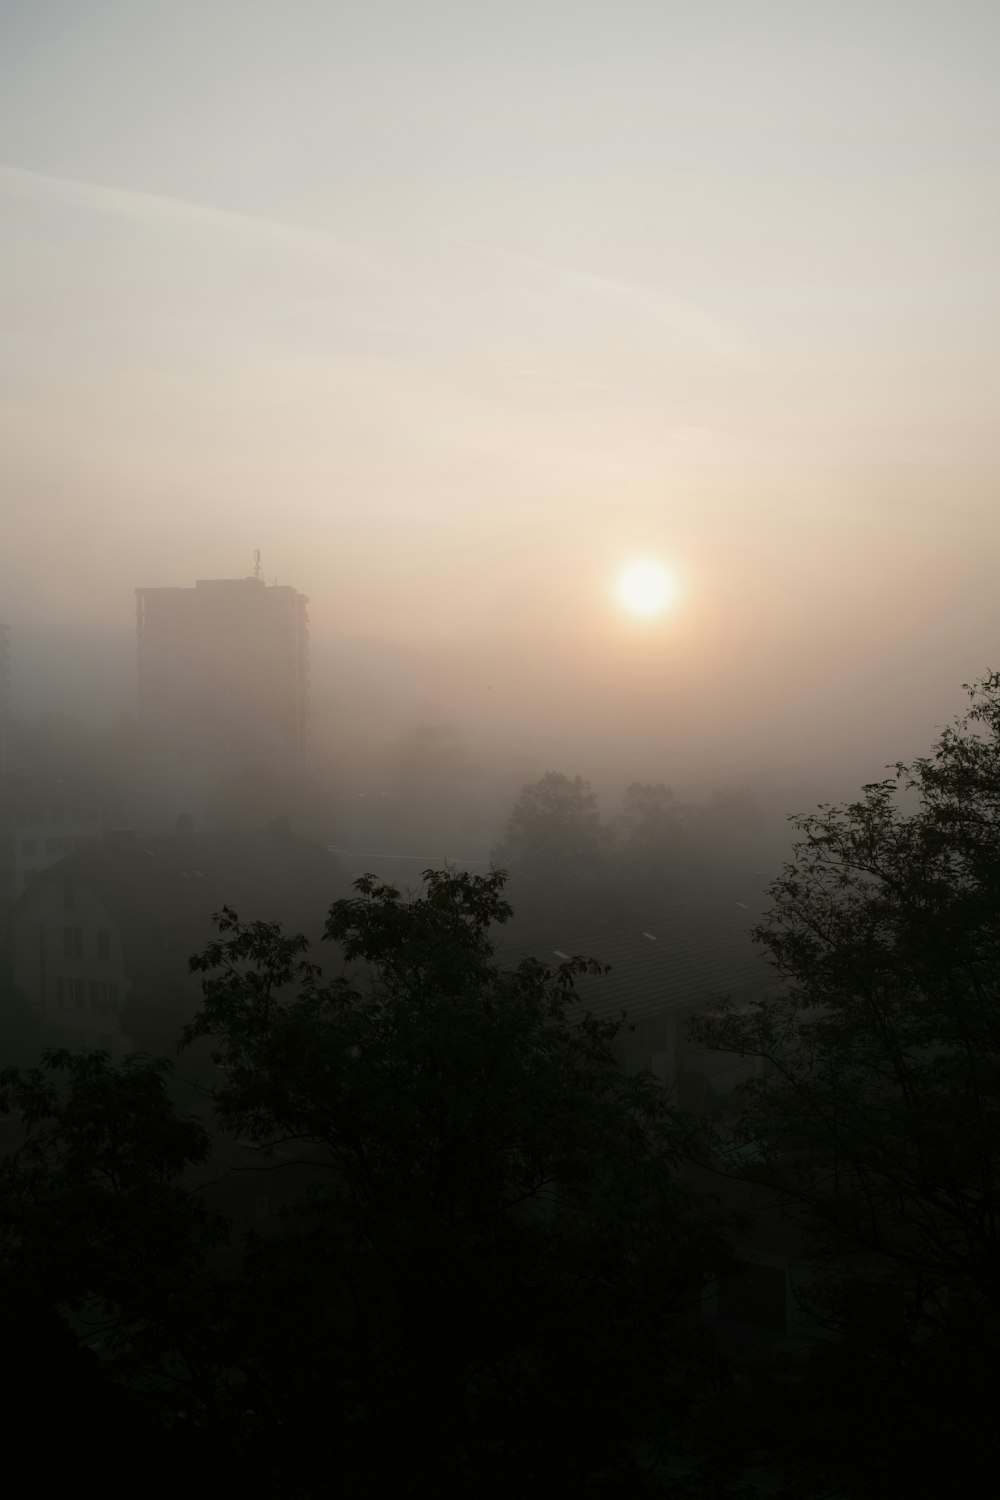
[476,476]
[452,310]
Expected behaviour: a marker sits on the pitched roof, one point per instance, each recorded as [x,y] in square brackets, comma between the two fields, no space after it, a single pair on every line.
[686,955]
[179,881]
[402,870]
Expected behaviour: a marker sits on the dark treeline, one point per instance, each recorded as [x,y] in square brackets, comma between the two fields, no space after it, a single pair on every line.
[571,866]
[419,1231]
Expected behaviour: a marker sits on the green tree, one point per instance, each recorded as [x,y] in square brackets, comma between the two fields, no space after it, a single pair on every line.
[651,831]
[877,1113]
[554,832]
[494,1283]
[102,1251]
[727,826]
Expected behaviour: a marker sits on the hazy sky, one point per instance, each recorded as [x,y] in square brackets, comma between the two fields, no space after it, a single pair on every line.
[451,308]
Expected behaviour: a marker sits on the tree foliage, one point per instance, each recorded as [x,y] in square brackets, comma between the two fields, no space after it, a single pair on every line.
[102,1254]
[492,1281]
[554,831]
[652,830]
[98,1141]
[569,866]
[877,1113]
[498,1263]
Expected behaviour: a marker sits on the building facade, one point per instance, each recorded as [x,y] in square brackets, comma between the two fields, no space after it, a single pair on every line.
[43,817]
[4,693]
[115,923]
[224,677]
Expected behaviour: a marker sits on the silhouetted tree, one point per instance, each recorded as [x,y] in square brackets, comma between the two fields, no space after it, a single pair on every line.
[494,1284]
[726,827]
[555,831]
[102,1247]
[651,832]
[877,1115]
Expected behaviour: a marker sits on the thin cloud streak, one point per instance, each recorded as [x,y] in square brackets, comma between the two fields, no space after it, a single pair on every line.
[132,203]
[679,314]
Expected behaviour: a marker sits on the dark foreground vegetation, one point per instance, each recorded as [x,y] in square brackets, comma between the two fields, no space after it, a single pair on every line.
[488,1278]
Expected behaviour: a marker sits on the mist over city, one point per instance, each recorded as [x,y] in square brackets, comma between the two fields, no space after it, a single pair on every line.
[500,743]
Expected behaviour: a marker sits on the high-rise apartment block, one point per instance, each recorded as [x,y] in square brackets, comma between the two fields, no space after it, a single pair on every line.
[223,675]
[4,694]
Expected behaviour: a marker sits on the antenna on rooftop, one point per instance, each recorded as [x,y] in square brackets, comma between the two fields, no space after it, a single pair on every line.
[256,563]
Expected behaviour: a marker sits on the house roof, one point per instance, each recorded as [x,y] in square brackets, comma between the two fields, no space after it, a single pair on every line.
[20,788]
[177,882]
[402,870]
[685,955]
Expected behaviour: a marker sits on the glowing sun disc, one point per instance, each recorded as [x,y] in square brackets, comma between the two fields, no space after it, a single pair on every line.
[645,587]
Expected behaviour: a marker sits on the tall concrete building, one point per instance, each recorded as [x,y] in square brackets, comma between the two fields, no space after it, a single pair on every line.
[4,694]
[224,677]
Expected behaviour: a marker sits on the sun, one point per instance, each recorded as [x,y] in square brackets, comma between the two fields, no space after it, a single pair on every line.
[645,587]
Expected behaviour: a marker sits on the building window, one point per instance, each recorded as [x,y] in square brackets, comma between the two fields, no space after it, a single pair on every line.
[27,846]
[103,997]
[104,944]
[71,994]
[72,942]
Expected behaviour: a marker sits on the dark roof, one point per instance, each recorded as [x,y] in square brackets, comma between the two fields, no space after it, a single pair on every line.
[402,870]
[20,788]
[688,955]
[179,881]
